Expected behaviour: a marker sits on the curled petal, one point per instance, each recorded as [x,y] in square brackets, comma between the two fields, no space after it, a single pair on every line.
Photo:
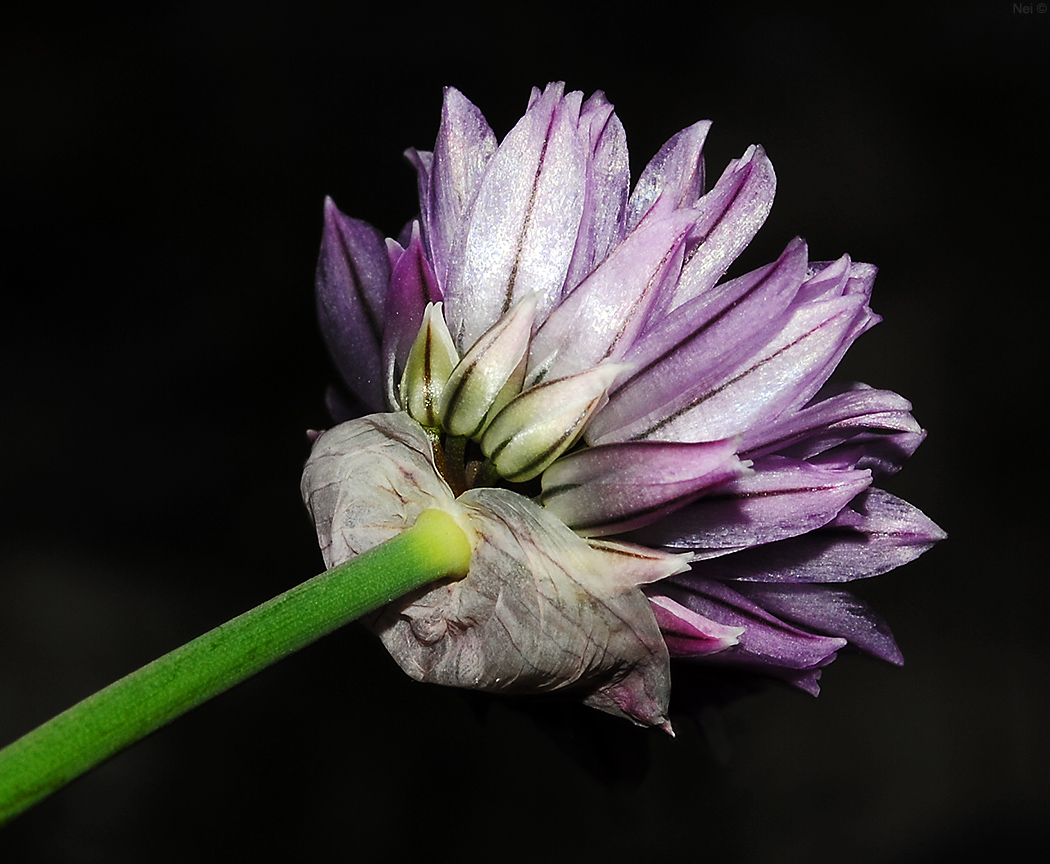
[673,178]
[689,634]
[879,422]
[767,644]
[825,279]
[538,611]
[353,271]
[618,487]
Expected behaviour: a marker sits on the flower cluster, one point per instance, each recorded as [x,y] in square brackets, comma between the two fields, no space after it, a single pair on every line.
[648,457]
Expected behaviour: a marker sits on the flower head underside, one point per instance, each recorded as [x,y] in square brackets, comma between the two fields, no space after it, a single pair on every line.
[650,457]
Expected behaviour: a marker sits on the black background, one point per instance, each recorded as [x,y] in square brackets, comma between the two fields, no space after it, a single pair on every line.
[162,178]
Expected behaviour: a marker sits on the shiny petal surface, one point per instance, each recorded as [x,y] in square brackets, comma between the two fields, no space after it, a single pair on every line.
[874,534]
[701,349]
[598,491]
[786,371]
[465,144]
[608,182]
[781,498]
[600,319]
[766,643]
[730,216]
[673,178]
[523,225]
[828,611]
[689,634]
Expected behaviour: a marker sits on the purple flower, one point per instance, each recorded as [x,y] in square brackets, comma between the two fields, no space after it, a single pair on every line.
[649,458]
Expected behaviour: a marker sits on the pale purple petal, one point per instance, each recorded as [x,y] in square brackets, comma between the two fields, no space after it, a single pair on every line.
[699,349]
[598,491]
[600,319]
[524,223]
[782,498]
[731,214]
[786,371]
[608,182]
[673,178]
[353,271]
[825,279]
[465,143]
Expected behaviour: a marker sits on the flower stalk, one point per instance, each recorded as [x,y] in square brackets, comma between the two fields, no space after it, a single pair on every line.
[60,750]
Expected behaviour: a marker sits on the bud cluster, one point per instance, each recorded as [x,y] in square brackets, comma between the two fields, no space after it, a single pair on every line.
[479,397]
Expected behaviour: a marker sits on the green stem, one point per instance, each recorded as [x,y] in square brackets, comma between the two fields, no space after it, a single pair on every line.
[44,760]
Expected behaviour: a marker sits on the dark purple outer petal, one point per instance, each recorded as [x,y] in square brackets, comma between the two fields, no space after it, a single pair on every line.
[876,533]
[353,272]
[767,643]
[829,611]
[412,286]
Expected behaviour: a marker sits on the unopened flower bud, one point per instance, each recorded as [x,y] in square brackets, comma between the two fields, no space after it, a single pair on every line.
[430,363]
[545,421]
[490,374]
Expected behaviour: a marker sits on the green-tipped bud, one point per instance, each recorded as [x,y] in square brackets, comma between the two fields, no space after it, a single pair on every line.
[430,363]
[545,421]
[490,374]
